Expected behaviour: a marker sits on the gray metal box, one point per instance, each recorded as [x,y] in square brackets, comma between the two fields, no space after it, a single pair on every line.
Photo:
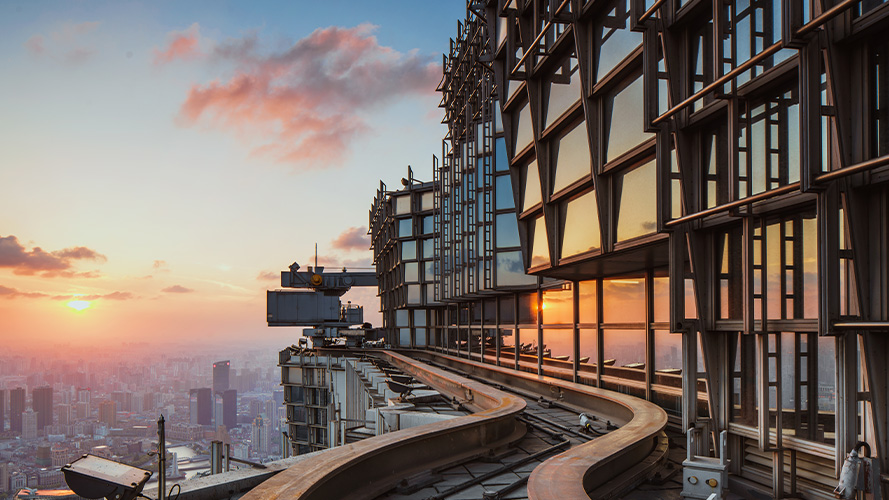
[287,308]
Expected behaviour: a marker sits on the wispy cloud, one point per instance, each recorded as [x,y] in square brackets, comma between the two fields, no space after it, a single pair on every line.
[13,255]
[70,43]
[307,104]
[182,45]
[14,293]
[354,238]
[268,276]
[177,289]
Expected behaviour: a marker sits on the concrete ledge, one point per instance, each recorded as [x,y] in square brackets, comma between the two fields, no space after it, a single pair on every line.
[229,484]
[372,466]
[586,467]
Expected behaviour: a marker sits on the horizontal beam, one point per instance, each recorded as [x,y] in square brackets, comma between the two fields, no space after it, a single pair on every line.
[546,28]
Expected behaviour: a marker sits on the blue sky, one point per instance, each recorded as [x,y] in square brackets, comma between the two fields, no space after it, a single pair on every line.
[193,148]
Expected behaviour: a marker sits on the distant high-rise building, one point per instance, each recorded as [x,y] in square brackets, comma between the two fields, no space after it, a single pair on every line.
[200,406]
[2,420]
[29,424]
[221,376]
[64,413]
[16,408]
[4,476]
[83,394]
[230,409]
[41,402]
[108,413]
[82,409]
[217,410]
[260,436]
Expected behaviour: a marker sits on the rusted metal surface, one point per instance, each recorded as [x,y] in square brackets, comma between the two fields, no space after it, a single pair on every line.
[586,467]
[368,468]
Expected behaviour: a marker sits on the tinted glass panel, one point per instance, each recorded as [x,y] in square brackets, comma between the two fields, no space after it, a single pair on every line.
[571,154]
[623,300]
[540,248]
[558,307]
[405,228]
[580,225]
[532,186]
[624,121]
[624,347]
[637,215]
[409,250]
[587,309]
[524,130]
[564,90]
[503,193]
[507,231]
[614,40]
[511,271]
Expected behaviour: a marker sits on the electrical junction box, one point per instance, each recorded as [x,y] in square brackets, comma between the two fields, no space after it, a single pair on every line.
[702,477]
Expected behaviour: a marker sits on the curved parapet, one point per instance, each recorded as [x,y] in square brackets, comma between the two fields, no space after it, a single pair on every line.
[618,458]
[370,467]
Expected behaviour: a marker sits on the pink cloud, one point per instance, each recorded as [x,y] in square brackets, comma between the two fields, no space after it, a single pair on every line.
[308,103]
[181,45]
[14,293]
[50,264]
[177,289]
[69,43]
[268,276]
[354,238]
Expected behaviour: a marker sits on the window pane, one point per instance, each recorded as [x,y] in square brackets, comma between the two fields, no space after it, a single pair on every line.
[540,248]
[637,215]
[662,299]
[571,154]
[401,317]
[411,272]
[507,230]
[624,347]
[528,308]
[511,271]
[580,225]
[564,90]
[623,300]
[503,193]
[524,131]
[428,248]
[405,228]
[667,350]
[404,337]
[532,186]
[624,121]
[558,343]
[501,161]
[588,346]
[558,307]
[587,308]
[614,40]
[413,294]
[402,205]
[409,250]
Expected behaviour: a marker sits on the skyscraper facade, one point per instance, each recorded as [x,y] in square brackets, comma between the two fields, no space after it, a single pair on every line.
[221,371]
[41,402]
[2,414]
[29,424]
[108,413]
[680,200]
[200,406]
[16,408]
[230,409]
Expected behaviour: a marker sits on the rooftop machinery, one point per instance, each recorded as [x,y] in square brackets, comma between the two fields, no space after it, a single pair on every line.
[317,304]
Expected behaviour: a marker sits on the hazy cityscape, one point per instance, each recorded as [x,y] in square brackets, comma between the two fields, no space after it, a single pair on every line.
[56,407]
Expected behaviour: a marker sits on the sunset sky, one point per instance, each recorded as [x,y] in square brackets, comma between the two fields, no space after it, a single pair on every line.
[164,161]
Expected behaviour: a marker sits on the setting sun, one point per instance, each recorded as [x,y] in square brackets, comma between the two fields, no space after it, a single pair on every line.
[79,305]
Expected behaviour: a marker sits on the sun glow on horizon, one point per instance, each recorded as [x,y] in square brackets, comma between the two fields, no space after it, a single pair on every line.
[79,305]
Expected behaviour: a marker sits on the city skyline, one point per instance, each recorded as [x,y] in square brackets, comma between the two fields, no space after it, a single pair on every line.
[160,163]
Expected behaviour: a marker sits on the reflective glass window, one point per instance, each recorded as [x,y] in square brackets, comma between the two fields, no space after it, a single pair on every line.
[532,186]
[564,90]
[428,227]
[404,337]
[402,316]
[558,307]
[558,343]
[428,248]
[411,272]
[507,309]
[524,129]
[613,39]
[510,270]
[405,228]
[408,250]
[501,160]
[420,337]
[662,299]
[637,215]
[571,157]
[580,225]
[588,306]
[768,144]
[427,201]
[413,294]
[419,317]
[540,247]
[402,204]
[624,348]
[624,120]
[503,196]
[507,230]
[589,347]
[623,300]
[528,308]
[667,350]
